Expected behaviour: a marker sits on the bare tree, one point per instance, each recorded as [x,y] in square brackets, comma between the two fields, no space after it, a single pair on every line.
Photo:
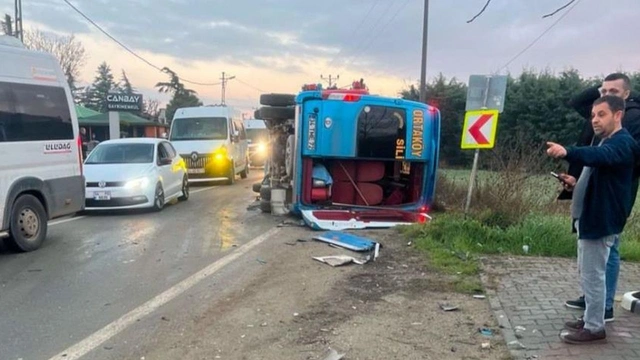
[545,16]
[151,108]
[67,49]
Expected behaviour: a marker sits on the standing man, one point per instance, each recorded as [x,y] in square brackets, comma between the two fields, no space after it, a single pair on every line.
[616,84]
[601,198]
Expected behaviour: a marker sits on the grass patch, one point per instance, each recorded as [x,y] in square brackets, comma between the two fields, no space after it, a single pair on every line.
[513,211]
[461,267]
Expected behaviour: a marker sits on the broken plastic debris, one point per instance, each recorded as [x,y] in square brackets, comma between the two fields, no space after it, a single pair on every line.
[479,297]
[516,345]
[520,328]
[332,355]
[447,307]
[347,241]
[486,332]
[486,345]
[339,260]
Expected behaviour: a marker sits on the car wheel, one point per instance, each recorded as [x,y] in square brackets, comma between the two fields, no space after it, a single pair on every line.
[231,175]
[158,201]
[28,223]
[245,172]
[185,189]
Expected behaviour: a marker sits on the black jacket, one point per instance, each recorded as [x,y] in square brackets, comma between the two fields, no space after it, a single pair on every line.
[607,202]
[582,103]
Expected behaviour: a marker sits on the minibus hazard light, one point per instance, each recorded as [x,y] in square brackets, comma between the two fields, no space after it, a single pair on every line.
[342,96]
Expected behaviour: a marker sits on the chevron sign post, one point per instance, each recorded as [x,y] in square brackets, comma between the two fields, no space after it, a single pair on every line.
[479,130]
[485,100]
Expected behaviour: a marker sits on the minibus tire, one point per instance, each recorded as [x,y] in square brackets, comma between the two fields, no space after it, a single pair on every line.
[277,99]
[277,113]
[27,209]
[265,199]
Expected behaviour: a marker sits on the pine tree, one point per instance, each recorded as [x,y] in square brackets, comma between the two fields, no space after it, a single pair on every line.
[96,95]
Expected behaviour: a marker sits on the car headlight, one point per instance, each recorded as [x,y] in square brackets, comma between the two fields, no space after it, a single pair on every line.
[137,183]
[220,154]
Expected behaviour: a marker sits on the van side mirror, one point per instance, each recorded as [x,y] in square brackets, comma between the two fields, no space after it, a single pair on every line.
[235,136]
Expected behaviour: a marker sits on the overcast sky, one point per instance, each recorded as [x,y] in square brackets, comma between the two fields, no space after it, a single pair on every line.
[277,45]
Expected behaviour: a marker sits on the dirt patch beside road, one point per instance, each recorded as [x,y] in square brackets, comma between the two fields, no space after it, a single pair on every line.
[296,308]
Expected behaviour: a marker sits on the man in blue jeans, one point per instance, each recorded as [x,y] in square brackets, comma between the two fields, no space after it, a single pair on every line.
[601,203]
[619,85]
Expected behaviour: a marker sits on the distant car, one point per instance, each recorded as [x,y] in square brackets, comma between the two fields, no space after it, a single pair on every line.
[134,173]
[258,138]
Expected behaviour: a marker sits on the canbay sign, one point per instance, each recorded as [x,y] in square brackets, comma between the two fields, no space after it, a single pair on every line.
[124,102]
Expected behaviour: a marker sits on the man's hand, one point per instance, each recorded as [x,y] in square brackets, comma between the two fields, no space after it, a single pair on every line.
[568,181]
[556,151]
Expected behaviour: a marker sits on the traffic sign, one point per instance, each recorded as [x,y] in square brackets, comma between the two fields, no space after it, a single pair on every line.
[479,131]
[486,92]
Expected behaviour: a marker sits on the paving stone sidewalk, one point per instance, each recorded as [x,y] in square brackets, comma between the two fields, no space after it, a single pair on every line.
[530,292]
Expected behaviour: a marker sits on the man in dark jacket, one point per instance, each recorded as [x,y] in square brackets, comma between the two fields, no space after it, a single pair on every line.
[601,203]
[615,84]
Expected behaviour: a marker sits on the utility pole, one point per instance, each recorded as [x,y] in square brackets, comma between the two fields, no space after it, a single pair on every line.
[331,80]
[425,37]
[19,33]
[224,86]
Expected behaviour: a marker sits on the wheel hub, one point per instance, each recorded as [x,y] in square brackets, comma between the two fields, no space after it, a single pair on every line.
[29,223]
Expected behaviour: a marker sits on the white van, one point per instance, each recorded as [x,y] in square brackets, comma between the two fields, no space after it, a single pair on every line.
[41,169]
[258,140]
[212,141]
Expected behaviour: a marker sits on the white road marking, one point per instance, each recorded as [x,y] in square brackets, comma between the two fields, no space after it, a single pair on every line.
[201,190]
[58,222]
[96,339]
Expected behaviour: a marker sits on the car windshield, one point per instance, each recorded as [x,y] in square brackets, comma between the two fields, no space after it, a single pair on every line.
[121,154]
[257,135]
[209,128]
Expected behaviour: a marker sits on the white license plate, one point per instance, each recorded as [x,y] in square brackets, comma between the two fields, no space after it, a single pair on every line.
[195,171]
[102,195]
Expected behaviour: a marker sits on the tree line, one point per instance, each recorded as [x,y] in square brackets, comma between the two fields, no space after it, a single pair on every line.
[536,110]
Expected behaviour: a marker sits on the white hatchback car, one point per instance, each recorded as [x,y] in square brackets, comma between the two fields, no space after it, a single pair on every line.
[134,173]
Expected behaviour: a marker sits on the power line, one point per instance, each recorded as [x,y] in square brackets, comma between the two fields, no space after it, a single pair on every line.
[356,30]
[559,9]
[375,37]
[375,24]
[481,11]
[128,49]
[251,86]
[538,38]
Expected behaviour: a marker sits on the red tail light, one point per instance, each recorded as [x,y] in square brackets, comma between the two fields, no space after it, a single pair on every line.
[423,218]
[80,157]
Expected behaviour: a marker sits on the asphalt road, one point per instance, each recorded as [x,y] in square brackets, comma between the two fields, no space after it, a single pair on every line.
[94,269]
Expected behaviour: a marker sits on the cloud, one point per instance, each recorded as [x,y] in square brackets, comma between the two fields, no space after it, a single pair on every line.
[279,44]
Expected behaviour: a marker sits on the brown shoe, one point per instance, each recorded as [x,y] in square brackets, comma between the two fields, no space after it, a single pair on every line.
[585,336]
[575,325]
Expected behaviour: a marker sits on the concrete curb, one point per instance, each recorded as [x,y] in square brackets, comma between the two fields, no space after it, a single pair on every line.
[503,320]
